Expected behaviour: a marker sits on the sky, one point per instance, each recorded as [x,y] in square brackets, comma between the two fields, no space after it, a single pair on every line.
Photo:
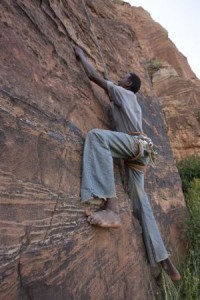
[181,18]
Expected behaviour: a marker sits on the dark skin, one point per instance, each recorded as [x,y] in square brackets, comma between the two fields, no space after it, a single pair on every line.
[109,217]
[94,76]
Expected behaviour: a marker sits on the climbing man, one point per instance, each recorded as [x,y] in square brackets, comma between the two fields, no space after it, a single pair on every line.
[129,143]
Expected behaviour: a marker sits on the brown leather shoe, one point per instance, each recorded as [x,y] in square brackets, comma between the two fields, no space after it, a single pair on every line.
[170,269]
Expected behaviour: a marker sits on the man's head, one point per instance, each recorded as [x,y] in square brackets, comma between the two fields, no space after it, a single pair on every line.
[130,82]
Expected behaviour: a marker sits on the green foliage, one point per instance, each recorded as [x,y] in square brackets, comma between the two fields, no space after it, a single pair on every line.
[193,203]
[189,169]
[189,287]
[154,66]
[191,281]
[191,271]
[169,289]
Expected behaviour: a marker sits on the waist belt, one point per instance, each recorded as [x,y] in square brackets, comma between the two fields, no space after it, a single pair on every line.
[145,144]
[135,166]
[133,162]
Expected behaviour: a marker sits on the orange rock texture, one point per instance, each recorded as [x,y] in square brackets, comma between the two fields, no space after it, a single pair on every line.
[47,249]
[175,84]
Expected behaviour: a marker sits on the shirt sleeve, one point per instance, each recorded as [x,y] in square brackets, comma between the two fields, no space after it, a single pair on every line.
[115,93]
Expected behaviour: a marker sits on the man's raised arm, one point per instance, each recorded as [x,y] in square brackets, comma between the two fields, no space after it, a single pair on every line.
[90,70]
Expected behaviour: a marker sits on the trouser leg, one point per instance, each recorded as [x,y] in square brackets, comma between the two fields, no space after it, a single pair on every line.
[99,149]
[98,180]
[155,247]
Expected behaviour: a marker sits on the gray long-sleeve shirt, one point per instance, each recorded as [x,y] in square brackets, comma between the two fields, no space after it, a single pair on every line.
[127,112]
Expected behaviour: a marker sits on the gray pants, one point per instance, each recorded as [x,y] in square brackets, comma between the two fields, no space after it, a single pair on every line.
[101,146]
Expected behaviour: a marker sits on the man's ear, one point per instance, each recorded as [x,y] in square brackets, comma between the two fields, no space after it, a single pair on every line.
[128,83]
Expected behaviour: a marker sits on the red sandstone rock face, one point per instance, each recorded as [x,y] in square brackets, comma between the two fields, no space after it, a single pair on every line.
[175,84]
[180,102]
[48,251]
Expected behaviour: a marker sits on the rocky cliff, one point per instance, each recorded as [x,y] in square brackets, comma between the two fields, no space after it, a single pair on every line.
[47,249]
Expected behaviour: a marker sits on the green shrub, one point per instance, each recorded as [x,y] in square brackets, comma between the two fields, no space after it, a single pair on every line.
[189,287]
[191,270]
[193,203]
[154,66]
[170,291]
[189,169]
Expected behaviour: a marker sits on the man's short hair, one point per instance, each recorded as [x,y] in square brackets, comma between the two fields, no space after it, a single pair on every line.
[136,82]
